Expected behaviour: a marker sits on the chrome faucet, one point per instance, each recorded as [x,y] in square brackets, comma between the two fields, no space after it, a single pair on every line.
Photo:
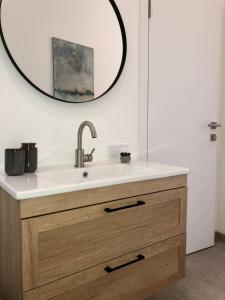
[80,157]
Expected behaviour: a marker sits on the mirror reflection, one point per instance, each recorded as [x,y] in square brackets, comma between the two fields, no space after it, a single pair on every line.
[71,50]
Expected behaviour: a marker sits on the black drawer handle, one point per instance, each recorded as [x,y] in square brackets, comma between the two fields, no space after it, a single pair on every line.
[139,258]
[110,210]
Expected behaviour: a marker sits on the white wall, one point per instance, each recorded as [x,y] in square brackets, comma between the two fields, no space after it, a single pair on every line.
[26,115]
[143,80]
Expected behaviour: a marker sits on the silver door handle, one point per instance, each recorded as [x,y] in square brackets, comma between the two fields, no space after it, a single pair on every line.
[214,125]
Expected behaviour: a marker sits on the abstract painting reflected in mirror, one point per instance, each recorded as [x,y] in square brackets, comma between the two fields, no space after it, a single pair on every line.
[73,71]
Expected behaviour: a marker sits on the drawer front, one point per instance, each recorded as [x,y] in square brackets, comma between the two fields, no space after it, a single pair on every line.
[134,276]
[62,244]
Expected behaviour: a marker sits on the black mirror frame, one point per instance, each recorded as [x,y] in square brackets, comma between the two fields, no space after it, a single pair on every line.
[123,61]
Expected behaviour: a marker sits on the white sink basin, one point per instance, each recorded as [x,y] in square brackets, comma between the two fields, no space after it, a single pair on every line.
[53,180]
[97,173]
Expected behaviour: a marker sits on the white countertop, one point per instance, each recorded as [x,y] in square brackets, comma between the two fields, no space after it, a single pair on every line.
[52,180]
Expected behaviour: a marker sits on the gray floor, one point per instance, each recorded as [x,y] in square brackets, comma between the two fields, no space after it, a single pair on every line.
[205,278]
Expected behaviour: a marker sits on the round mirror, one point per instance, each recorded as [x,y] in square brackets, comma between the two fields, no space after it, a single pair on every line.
[71,50]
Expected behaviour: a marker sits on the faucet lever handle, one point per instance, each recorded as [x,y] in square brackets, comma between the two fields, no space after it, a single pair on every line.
[93,150]
[88,157]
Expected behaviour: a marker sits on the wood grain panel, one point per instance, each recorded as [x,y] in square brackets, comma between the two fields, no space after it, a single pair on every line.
[66,201]
[61,244]
[164,263]
[30,252]
[31,295]
[10,248]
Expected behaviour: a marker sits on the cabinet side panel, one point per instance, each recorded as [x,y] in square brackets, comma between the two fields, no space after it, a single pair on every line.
[10,248]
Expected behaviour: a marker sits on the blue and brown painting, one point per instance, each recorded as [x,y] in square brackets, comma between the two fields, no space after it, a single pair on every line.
[73,71]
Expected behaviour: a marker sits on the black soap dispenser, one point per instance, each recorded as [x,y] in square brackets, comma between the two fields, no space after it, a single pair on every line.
[31,157]
[14,162]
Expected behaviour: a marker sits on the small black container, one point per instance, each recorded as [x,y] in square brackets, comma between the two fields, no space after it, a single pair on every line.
[14,162]
[31,157]
[125,157]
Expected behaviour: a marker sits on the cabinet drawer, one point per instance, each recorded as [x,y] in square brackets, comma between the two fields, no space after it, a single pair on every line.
[61,244]
[131,278]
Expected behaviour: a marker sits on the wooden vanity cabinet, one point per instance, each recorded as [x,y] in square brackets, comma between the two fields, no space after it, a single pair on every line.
[119,242]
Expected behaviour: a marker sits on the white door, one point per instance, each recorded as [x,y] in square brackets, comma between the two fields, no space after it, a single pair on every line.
[183,94]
